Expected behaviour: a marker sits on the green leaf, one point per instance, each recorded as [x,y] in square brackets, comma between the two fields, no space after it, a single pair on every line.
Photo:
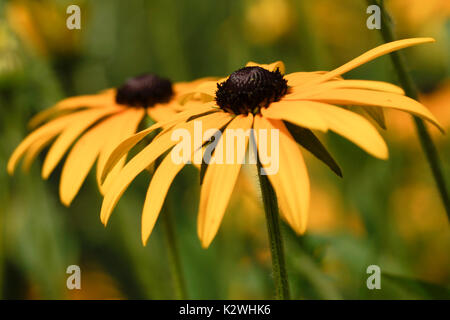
[310,142]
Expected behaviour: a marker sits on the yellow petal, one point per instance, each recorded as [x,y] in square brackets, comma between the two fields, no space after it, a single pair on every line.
[124,124]
[208,87]
[161,112]
[353,127]
[197,96]
[125,146]
[44,116]
[183,87]
[35,149]
[48,130]
[159,186]
[291,182]
[271,67]
[371,55]
[296,112]
[156,194]
[104,99]
[205,92]
[218,184]
[297,79]
[297,93]
[122,149]
[81,158]
[377,99]
[81,121]
[147,156]
[363,84]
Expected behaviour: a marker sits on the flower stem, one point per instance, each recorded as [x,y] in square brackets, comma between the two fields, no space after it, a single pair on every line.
[173,254]
[275,239]
[411,91]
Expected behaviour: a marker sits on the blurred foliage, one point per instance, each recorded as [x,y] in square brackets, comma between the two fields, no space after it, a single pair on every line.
[386,213]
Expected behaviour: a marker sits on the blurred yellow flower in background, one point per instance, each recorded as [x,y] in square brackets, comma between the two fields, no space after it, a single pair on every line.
[420,221]
[42,26]
[10,60]
[97,284]
[329,213]
[437,101]
[416,16]
[267,20]
[99,122]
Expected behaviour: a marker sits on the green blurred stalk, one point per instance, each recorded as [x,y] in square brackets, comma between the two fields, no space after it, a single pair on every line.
[411,91]
[275,238]
[173,254]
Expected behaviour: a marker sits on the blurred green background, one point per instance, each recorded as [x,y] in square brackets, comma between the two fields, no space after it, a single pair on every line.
[386,213]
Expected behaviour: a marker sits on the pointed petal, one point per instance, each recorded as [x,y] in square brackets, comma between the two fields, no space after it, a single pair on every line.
[291,182]
[103,99]
[296,112]
[353,127]
[48,130]
[371,55]
[219,182]
[81,158]
[156,194]
[81,121]
[297,79]
[377,99]
[146,157]
[44,115]
[299,93]
[362,84]
[35,149]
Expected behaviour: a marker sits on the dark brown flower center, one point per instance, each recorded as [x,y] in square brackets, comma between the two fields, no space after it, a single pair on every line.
[144,91]
[249,89]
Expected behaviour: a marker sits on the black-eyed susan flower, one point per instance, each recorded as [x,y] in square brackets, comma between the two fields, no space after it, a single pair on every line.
[261,97]
[95,125]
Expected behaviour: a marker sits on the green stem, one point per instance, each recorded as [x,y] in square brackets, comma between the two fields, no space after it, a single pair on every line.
[275,239]
[411,91]
[173,254]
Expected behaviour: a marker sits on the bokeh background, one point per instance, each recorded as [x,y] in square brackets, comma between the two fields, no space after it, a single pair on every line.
[386,213]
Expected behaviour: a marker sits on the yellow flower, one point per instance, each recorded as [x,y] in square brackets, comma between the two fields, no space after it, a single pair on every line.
[99,122]
[268,20]
[35,21]
[404,131]
[260,97]
[417,15]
